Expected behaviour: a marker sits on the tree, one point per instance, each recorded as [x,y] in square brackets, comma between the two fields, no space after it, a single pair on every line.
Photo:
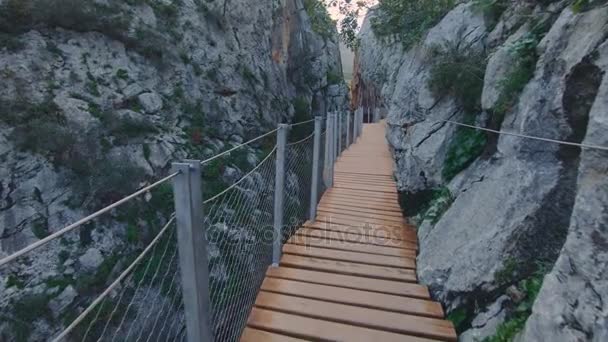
[349,25]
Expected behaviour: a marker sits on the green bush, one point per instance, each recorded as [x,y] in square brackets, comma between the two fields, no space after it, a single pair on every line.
[525,58]
[440,203]
[26,312]
[50,139]
[14,280]
[492,10]
[93,282]
[125,127]
[11,42]
[506,274]
[321,22]
[408,21]
[63,256]
[507,331]
[40,228]
[301,107]
[459,73]
[167,11]
[122,74]
[458,317]
[466,145]
[585,5]
[334,78]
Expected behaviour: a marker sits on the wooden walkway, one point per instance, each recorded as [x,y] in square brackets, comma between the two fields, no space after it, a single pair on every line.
[350,275]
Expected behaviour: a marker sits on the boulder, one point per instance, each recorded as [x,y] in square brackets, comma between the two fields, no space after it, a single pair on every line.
[150,102]
[65,298]
[91,259]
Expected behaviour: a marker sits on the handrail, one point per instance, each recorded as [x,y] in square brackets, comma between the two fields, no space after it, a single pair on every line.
[561,142]
[123,275]
[96,214]
[80,222]
[237,147]
[242,178]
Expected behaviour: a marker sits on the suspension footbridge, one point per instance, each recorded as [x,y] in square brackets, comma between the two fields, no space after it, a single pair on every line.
[349,274]
[308,244]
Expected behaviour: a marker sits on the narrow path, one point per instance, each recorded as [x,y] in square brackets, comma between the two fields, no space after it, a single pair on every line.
[351,274]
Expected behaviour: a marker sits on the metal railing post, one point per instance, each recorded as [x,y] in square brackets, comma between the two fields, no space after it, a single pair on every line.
[360,123]
[348,130]
[314,189]
[192,247]
[330,149]
[335,147]
[279,191]
[339,118]
[356,125]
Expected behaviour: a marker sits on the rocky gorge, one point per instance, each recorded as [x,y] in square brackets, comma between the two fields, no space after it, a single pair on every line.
[512,230]
[98,97]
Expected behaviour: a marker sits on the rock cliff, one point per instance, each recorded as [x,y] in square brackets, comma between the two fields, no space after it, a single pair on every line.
[98,97]
[498,214]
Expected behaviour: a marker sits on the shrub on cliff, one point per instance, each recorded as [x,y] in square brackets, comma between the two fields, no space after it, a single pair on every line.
[406,21]
[459,72]
[320,20]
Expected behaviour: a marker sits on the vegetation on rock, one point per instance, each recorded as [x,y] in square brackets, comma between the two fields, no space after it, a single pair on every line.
[491,10]
[408,21]
[458,72]
[507,331]
[320,20]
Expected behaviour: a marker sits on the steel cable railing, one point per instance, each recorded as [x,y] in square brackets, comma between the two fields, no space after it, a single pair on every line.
[298,181]
[239,226]
[145,301]
[140,291]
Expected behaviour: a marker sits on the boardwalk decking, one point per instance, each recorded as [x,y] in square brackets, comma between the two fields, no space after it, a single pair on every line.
[350,275]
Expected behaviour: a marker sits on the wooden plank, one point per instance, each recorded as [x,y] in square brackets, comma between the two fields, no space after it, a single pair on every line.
[380,178]
[363,187]
[372,179]
[351,246]
[372,300]
[363,193]
[363,239]
[255,335]
[361,215]
[363,171]
[320,330]
[331,206]
[362,258]
[360,199]
[397,288]
[358,316]
[368,203]
[372,184]
[349,220]
[355,204]
[348,268]
[405,234]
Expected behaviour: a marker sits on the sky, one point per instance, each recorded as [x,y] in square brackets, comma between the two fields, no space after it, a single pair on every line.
[347,55]
[336,15]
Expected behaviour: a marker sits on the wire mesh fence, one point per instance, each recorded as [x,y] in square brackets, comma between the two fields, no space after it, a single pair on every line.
[239,226]
[135,293]
[146,305]
[322,186]
[342,137]
[62,284]
[298,181]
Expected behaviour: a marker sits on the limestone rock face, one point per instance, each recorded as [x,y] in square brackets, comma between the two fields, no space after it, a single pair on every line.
[571,305]
[97,98]
[521,202]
